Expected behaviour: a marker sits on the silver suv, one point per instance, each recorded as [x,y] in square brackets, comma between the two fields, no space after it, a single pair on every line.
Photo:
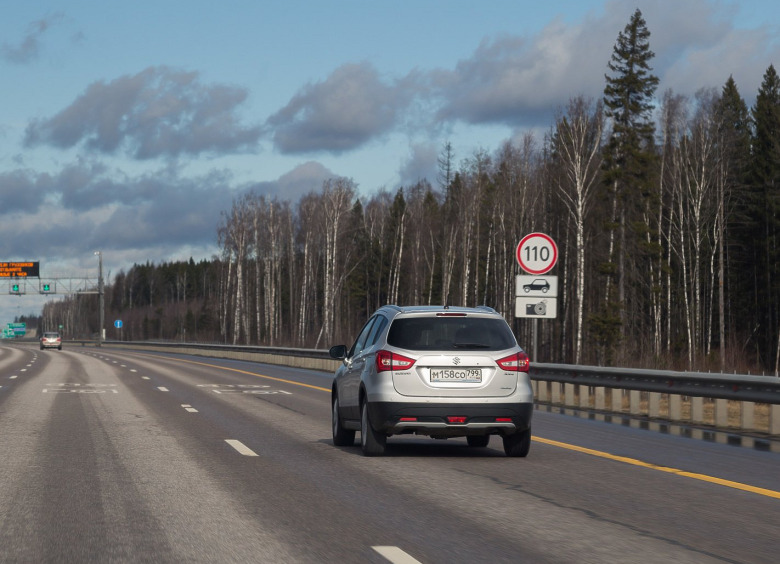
[436,371]
[51,340]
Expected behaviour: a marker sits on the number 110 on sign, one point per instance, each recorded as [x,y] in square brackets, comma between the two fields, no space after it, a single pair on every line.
[537,253]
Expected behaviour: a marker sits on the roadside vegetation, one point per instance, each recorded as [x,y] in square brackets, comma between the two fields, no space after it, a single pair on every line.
[665,209]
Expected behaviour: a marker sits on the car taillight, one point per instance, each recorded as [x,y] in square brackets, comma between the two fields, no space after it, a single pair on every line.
[386,360]
[517,362]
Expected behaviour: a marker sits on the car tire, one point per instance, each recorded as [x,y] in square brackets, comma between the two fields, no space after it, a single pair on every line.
[518,444]
[478,441]
[341,436]
[372,443]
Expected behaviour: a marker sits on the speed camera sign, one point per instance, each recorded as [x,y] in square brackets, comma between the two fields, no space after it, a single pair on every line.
[537,253]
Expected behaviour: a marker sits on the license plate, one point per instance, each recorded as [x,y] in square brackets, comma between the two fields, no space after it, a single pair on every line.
[470,375]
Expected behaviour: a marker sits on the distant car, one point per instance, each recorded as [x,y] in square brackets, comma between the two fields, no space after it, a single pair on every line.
[51,340]
[538,284]
[433,370]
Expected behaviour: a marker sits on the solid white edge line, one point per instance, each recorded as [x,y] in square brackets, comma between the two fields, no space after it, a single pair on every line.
[395,555]
[241,447]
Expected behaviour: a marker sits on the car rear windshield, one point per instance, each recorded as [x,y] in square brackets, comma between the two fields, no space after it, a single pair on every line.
[450,334]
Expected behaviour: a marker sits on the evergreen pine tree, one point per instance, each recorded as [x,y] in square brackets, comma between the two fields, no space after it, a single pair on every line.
[629,160]
[765,208]
[733,118]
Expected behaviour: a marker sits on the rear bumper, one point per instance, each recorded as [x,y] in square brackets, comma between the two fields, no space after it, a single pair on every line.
[395,418]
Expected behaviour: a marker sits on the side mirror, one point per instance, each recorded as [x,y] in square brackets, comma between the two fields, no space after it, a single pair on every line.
[339,352]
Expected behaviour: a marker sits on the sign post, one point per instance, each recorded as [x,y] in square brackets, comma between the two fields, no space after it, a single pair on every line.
[536,295]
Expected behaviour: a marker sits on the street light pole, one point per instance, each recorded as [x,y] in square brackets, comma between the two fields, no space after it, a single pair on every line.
[100,297]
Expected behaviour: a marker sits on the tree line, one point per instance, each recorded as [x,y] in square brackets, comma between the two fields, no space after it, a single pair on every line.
[664,208]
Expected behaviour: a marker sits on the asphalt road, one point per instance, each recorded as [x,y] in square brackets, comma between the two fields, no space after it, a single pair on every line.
[114,456]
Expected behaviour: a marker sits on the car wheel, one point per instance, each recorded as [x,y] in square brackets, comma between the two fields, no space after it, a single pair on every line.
[518,444]
[373,443]
[478,440]
[341,436]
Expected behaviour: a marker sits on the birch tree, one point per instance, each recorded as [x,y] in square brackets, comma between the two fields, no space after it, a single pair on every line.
[235,237]
[698,203]
[337,198]
[309,242]
[577,146]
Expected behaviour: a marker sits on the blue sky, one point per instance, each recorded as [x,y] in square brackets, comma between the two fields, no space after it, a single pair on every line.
[127,127]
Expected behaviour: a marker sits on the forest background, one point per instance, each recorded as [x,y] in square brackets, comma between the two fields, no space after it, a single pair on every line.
[665,210]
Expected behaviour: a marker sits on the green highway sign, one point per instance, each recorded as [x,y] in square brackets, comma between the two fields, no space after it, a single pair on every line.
[17,329]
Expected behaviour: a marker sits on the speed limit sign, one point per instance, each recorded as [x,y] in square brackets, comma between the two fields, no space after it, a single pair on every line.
[537,253]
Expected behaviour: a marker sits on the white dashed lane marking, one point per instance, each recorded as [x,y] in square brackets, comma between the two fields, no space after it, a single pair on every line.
[241,447]
[395,555]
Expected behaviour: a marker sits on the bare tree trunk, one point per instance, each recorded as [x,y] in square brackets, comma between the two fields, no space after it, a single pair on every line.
[337,198]
[579,142]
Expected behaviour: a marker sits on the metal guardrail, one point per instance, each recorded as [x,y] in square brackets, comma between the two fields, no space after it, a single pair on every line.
[233,349]
[760,389]
[657,394]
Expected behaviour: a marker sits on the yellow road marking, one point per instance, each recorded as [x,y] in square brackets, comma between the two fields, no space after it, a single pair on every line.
[626,460]
[667,469]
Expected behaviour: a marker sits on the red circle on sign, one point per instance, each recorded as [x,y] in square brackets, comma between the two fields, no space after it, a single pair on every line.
[541,255]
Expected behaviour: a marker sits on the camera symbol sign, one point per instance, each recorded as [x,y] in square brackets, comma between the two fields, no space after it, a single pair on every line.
[537,253]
